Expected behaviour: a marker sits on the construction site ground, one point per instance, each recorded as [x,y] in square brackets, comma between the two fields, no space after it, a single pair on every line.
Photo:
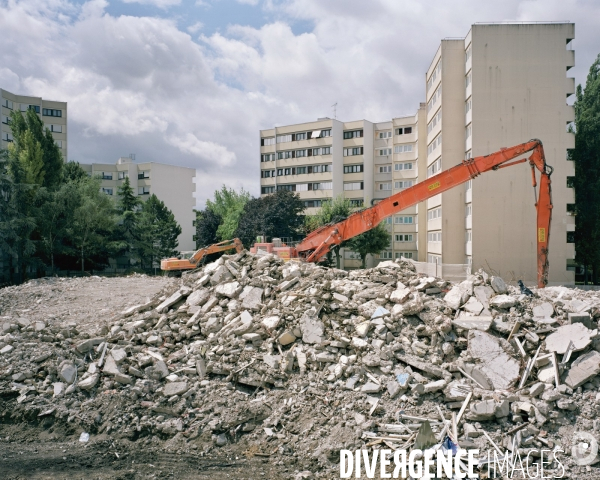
[35,449]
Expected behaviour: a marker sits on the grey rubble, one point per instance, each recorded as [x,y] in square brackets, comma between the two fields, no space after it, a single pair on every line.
[314,359]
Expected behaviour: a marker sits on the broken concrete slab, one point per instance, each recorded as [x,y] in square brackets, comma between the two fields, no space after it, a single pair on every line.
[579,334]
[470,322]
[286,338]
[400,295]
[175,388]
[312,328]
[483,293]
[495,363]
[473,306]
[583,369]
[173,299]
[229,290]
[87,345]
[251,297]
[503,301]
[68,373]
[497,283]
[455,297]
[583,318]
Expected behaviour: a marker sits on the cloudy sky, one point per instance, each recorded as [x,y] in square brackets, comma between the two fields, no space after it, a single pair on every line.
[191,82]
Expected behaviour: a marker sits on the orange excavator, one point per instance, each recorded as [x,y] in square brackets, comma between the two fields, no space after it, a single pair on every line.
[319,242]
[179,264]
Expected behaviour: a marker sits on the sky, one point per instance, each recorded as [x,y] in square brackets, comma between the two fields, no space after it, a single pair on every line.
[191,82]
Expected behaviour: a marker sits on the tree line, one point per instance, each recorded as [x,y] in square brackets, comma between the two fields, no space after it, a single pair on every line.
[53,215]
[232,214]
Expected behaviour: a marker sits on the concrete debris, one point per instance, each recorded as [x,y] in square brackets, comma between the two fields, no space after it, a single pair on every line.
[304,360]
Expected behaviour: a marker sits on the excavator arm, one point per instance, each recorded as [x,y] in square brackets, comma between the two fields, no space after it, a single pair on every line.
[187,264]
[319,242]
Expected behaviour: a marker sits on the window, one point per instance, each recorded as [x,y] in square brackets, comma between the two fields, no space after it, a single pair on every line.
[353,186]
[320,186]
[434,236]
[385,186]
[143,190]
[357,202]
[287,171]
[287,188]
[437,118]
[107,176]
[436,142]
[49,112]
[300,136]
[570,182]
[319,151]
[385,255]
[353,168]
[404,254]
[326,151]
[571,208]
[434,168]
[285,155]
[403,130]
[434,259]
[7,137]
[469,185]
[468,209]
[468,79]
[403,166]
[320,133]
[299,171]
[437,95]
[5,119]
[265,173]
[143,175]
[434,213]
[300,153]
[58,143]
[385,169]
[353,134]
[385,151]
[108,191]
[468,155]
[123,175]
[406,220]
[280,172]
[349,152]
[436,71]
[468,131]
[313,203]
[468,53]
[7,103]
[570,237]
[403,148]
[25,107]
[319,168]
[267,157]
[302,187]
[265,190]
[267,141]
[385,134]
[468,105]
[404,237]
[54,128]
[403,184]
[284,138]
[469,235]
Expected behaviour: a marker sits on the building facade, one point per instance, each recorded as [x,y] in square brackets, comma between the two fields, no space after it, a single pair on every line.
[173,185]
[53,114]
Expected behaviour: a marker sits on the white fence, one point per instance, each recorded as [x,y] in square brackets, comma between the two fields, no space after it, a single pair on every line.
[452,272]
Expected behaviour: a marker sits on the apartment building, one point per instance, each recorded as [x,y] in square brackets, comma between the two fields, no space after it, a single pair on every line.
[53,114]
[173,185]
[503,84]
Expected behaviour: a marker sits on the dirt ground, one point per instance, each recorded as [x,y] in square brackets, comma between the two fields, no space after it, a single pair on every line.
[47,448]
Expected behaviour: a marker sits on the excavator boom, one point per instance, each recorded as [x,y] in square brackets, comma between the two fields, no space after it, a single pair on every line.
[174,264]
[319,242]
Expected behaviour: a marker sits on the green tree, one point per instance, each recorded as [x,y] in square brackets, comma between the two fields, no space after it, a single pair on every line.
[128,231]
[207,224]
[332,211]
[229,205]
[275,216]
[370,242]
[73,172]
[93,222]
[159,231]
[587,172]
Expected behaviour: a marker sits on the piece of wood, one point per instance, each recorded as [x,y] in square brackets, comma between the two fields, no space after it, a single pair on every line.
[454,428]
[492,442]
[471,378]
[514,330]
[556,372]
[464,407]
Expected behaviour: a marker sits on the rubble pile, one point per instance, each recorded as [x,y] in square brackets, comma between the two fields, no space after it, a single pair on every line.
[295,361]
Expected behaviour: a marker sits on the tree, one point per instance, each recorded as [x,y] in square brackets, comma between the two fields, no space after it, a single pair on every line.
[275,216]
[586,156]
[72,172]
[207,224]
[229,205]
[158,231]
[128,232]
[93,222]
[370,242]
[332,212]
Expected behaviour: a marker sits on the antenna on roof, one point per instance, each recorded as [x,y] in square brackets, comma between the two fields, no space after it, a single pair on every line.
[335,110]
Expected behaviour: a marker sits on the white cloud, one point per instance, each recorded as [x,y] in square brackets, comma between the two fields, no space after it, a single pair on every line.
[248,2]
[141,84]
[156,3]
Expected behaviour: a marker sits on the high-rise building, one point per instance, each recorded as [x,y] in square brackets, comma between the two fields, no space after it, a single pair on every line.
[53,114]
[502,85]
[173,185]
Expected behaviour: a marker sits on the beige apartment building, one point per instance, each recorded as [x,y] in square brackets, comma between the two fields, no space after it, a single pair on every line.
[53,114]
[173,185]
[503,84]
